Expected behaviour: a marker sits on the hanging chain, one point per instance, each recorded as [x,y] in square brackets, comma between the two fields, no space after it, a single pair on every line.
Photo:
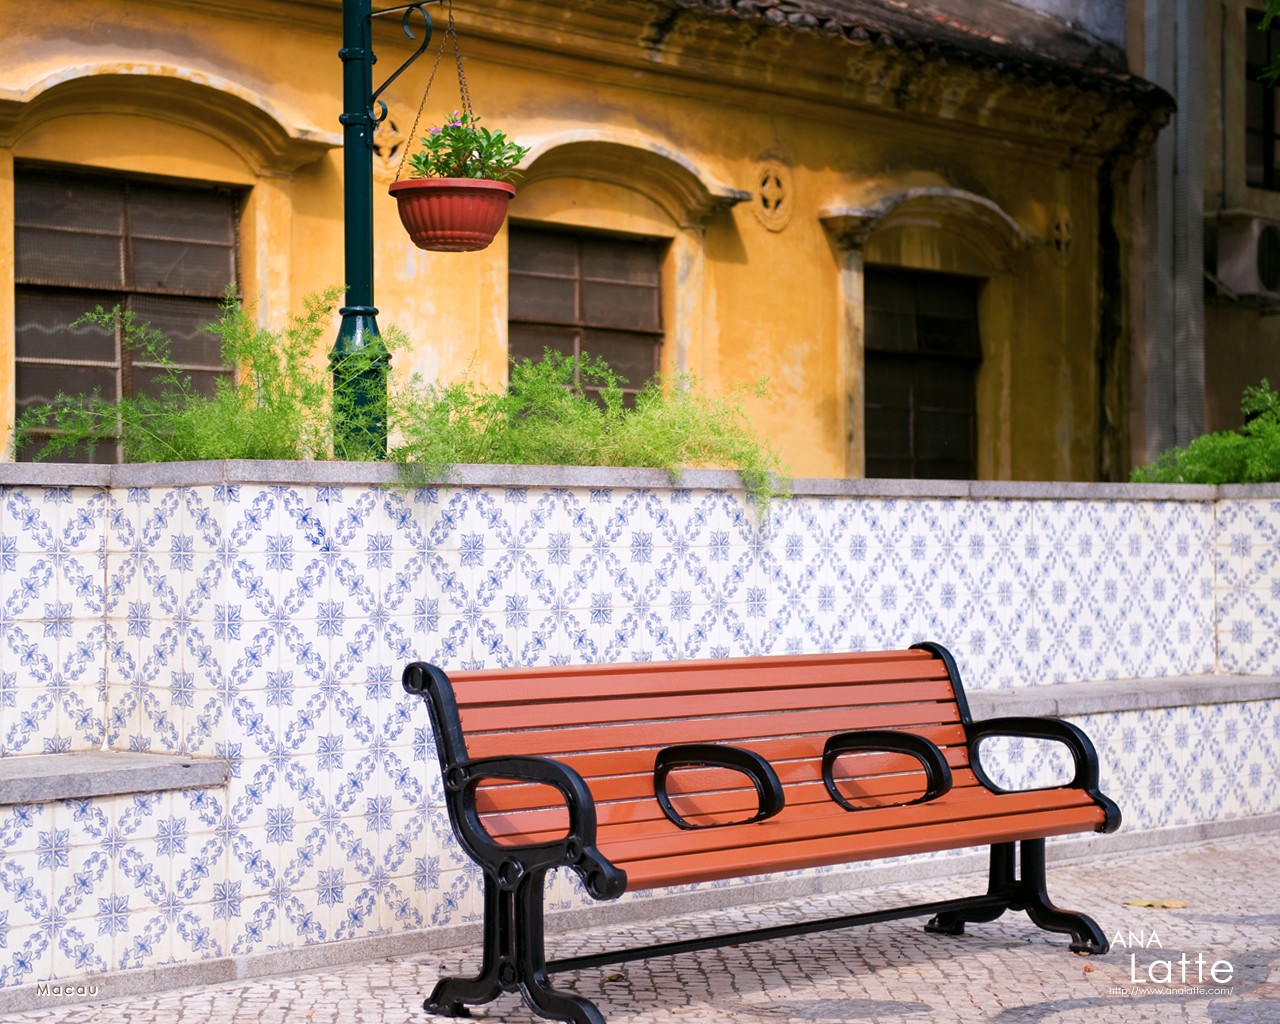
[451,30]
[463,91]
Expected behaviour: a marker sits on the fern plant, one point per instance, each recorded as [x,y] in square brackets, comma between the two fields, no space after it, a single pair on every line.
[548,417]
[278,405]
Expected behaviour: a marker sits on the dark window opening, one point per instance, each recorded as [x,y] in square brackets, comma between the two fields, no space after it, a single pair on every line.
[1262,113]
[167,253]
[922,354]
[595,294]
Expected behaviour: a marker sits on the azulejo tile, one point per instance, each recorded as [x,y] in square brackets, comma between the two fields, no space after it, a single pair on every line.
[26,880]
[266,626]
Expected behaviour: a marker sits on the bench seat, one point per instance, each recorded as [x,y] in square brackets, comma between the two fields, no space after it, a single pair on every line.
[666,857]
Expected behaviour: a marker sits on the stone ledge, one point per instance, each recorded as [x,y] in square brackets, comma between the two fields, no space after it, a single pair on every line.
[1073,700]
[338,473]
[36,778]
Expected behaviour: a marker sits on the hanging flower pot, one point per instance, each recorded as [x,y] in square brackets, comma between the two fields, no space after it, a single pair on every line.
[460,181]
[452,214]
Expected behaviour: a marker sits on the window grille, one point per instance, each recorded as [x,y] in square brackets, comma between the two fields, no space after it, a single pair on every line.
[922,354]
[167,253]
[597,294]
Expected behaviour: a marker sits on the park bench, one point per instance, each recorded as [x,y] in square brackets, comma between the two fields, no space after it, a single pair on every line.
[639,776]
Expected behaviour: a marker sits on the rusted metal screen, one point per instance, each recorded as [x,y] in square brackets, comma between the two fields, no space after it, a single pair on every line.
[597,294]
[167,253]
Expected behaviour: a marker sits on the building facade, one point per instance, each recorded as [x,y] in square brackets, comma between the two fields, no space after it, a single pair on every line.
[915,223]
[1241,204]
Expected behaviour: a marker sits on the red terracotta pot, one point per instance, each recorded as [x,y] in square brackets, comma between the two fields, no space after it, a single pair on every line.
[452,214]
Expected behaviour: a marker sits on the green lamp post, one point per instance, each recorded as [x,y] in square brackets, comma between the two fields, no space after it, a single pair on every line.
[359,360]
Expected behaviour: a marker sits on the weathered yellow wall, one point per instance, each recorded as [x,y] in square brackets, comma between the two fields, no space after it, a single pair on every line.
[742,300]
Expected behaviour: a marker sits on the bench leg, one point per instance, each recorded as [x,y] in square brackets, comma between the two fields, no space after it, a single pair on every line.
[1086,936]
[451,995]
[1029,893]
[1001,882]
[514,960]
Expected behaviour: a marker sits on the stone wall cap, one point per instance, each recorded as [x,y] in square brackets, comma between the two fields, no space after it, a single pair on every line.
[75,775]
[338,473]
[1111,696]
[1238,491]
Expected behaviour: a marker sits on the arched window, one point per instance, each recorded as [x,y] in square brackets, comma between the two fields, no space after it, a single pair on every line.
[183,162]
[928,286]
[607,255]
[165,253]
[922,353]
[582,293]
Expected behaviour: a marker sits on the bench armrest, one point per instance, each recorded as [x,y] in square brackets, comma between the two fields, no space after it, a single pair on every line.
[718,755]
[1083,753]
[936,770]
[510,863]
[1081,747]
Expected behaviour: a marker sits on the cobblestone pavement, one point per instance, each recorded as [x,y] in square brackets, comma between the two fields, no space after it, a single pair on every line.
[1005,971]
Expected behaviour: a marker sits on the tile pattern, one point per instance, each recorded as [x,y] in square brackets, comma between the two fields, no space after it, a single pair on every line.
[267,626]
[1247,592]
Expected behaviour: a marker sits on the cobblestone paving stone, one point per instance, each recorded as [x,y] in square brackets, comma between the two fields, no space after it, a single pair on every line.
[1005,971]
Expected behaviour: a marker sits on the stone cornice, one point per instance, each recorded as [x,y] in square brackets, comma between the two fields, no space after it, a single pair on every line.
[685,46]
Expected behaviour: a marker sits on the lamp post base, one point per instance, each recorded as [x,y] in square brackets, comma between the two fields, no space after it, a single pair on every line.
[359,362]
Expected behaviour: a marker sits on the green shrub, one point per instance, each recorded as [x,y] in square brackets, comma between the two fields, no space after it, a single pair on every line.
[1248,455]
[545,417]
[278,406]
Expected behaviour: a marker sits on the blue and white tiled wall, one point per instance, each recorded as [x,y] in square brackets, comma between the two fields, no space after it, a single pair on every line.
[267,625]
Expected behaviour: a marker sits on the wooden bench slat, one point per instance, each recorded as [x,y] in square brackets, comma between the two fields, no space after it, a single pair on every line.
[615,792]
[559,714]
[548,822]
[479,686]
[625,838]
[639,786]
[664,839]
[782,752]
[741,728]
[712,866]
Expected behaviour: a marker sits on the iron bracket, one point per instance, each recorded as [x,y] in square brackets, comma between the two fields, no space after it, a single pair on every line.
[377,117]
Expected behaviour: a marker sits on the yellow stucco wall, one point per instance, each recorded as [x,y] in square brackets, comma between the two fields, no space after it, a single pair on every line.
[629,139]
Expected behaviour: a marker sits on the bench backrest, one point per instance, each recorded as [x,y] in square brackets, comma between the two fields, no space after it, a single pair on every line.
[609,721]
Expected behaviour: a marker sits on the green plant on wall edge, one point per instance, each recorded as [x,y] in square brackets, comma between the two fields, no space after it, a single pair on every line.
[1250,455]
[558,410]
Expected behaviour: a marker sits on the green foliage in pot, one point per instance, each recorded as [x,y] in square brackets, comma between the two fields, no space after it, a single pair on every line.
[1248,455]
[460,148]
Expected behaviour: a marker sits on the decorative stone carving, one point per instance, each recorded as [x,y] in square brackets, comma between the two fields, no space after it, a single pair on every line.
[671,180]
[388,148]
[773,197]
